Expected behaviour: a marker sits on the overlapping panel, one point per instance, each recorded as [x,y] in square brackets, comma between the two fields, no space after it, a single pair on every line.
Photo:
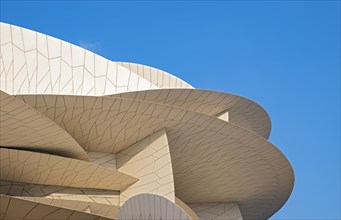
[34,63]
[95,201]
[38,168]
[246,167]
[241,111]
[101,196]
[105,124]
[209,166]
[16,208]
[24,127]
[186,209]
[159,78]
[148,160]
[103,159]
[217,211]
[150,206]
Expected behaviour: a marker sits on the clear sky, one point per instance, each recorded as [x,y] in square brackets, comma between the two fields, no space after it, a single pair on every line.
[285,55]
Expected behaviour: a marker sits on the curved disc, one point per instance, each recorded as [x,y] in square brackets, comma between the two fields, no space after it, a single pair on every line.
[39,168]
[236,164]
[23,127]
[242,112]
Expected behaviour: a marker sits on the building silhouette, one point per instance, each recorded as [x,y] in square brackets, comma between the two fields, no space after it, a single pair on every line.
[83,137]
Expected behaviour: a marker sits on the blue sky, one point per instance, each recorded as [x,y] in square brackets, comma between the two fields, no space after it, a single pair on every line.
[285,55]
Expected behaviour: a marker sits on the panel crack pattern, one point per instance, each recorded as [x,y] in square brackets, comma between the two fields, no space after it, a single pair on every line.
[149,160]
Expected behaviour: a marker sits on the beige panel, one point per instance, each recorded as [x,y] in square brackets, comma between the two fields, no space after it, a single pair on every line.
[98,209]
[203,148]
[186,209]
[242,112]
[159,78]
[22,126]
[38,168]
[101,196]
[16,208]
[217,211]
[104,159]
[211,167]
[148,160]
[150,206]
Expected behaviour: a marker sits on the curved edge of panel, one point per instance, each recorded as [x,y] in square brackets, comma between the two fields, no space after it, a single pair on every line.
[45,169]
[241,111]
[24,127]
[17,208]
[151,206]
[35,63]
[158,77]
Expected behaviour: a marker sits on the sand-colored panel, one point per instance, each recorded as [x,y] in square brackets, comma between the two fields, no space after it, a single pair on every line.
[186,209]
[148,160]
[217,211]
[240,111]
[23,127]
[151,206]
[202,148]
[101,196]
[39,168]
[103,159]
[17,208]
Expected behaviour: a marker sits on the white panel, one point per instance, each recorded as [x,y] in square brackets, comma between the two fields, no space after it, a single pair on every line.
[100,85]
[54,46]
[66,75]
[55,74]
[112,73]
[30,39]
[90,62]
[20,78]
[78,56]
[5,31]
[66,52]
[31,61]
[77,79]
[133,82]
[122,76]
[17,38]
[7,56]
[101,66]
[43,67]
[19,59]
[42,44]
[88,82]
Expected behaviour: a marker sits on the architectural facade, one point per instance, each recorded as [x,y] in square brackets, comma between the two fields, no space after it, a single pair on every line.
[83,137]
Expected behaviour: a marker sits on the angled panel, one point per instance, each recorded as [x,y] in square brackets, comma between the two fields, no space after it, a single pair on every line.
[35,63]
[202,148]
[217,211]
[17,208]
[189,211]
[23,127]
[150,206]
[101,196]
[241,111]
[148,160]
[159,78]
[38,168]
[210,135]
